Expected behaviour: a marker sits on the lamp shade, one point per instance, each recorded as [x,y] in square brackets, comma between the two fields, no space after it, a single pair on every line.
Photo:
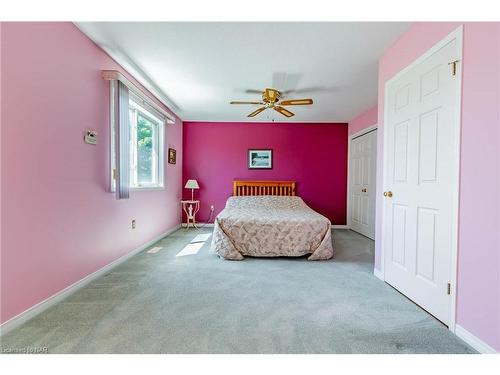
[192,184]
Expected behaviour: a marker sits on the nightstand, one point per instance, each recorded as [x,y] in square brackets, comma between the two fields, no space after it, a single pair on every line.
[191,208]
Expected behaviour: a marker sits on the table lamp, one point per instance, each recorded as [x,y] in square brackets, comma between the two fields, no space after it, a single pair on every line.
[192,184]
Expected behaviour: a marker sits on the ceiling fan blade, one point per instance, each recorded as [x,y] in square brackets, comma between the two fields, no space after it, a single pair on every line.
[286,81]
[253,91]
[297,102]
[256,112]
[283,111]
[307,89]
[241,102]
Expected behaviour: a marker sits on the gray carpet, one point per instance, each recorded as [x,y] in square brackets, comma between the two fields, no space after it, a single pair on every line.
[198,303]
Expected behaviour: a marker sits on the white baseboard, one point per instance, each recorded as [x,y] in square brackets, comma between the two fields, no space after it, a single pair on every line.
[26,315]
[473,341]
[209,225]
[378,274]
[340,226]
[461,332]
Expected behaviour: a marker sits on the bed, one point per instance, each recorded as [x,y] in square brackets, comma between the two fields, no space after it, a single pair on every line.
[267,219]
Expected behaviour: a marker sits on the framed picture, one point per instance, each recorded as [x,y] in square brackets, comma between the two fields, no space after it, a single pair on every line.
[172,156]
[260,159]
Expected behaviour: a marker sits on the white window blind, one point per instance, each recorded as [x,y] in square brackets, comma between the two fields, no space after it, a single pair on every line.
[122,139]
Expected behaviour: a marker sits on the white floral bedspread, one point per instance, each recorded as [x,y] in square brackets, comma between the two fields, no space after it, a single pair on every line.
[271,226]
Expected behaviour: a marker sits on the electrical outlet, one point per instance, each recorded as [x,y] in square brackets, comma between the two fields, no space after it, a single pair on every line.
[211,207]
[133,224]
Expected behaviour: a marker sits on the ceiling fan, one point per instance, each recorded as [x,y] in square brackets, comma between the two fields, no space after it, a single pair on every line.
[271,99]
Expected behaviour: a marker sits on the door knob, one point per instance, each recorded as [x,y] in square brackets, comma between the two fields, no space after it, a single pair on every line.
[363,190]
[388,194]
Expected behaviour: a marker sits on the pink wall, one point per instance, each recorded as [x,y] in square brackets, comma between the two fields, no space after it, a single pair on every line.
[478,289]
[1,153]
[59,222]
[363,121]
[314,155]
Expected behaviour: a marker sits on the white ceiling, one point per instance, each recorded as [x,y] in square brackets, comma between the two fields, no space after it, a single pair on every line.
[199,67]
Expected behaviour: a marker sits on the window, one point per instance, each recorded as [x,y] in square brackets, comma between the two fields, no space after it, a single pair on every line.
[146,148]
[137,137]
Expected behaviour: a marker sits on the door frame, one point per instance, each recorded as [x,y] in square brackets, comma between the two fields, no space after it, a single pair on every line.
[349,140]
[458,35]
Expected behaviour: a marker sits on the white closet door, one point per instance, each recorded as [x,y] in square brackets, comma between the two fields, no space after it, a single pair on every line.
[362,176]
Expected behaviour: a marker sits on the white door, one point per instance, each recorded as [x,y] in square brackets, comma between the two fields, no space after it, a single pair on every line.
[362,175]
[422,153]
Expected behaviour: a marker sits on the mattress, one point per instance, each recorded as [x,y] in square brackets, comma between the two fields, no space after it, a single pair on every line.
[271,226]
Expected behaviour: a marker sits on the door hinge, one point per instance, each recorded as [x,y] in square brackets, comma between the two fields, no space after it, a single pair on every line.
[448,289]
[114,174]
[453,67]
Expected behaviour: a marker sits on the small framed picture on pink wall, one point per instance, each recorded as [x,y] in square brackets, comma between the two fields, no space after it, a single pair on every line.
[260,159]
[172,156]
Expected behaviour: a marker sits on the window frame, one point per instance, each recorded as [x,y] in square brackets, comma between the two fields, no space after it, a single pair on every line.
[158,148]
[159,139]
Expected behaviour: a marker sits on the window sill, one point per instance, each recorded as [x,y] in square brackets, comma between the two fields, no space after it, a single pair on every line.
[142,189]
[146,188]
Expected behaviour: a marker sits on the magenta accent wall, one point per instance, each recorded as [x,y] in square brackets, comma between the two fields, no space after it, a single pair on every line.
[478,289]
[59,222]
[363,121]
[314,155]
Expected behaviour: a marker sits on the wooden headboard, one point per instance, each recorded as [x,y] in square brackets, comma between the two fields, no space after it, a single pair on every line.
[284,188]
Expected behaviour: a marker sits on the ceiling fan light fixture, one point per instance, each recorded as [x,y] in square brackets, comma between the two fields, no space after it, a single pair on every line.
[270,99]
[271,95]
